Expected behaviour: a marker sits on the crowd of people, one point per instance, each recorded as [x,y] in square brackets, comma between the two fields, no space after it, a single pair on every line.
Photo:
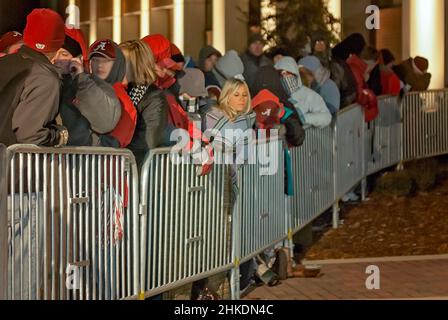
[57,91]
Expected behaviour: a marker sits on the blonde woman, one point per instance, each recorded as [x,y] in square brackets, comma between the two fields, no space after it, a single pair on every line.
[150,101]
[233,112]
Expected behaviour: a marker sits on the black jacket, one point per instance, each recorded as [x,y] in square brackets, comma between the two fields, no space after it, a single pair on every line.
[152,120]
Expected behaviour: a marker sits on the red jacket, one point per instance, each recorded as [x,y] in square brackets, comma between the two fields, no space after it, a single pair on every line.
[178,117]
[365,97]
[390,82]
[124,130]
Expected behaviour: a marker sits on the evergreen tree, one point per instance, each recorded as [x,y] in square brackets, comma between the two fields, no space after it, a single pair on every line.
[297,21]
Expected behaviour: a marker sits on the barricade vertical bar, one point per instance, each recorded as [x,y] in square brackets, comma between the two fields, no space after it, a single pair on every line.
[4,230]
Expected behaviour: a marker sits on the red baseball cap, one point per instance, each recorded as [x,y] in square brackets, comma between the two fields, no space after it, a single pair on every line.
[8,39]
[104,47]
[44,31]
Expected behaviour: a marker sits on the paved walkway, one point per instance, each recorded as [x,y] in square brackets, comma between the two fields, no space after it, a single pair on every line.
[400,278]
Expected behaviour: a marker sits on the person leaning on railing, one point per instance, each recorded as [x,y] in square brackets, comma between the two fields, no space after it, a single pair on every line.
[30,85]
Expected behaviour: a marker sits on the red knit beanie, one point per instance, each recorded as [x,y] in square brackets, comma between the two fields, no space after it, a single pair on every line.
[44,31]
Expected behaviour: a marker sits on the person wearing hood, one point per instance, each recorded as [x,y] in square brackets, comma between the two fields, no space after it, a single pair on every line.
[414,73]
[353,44]
[228,67]
[254,58]
[310,106]
[167,69]
[340,72]
[149,100]
[89,107]
[30,84]
[208,58]
[10,42]
[390,83]
[365,96]
[108,63]
[268,79]
[322,83]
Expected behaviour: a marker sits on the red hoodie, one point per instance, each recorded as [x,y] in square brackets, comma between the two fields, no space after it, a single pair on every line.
[268,108]
[365,97]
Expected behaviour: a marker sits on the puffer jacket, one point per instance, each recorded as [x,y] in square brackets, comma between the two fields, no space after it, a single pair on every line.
[310,106]
[343,77]
[365,97]
[89,109]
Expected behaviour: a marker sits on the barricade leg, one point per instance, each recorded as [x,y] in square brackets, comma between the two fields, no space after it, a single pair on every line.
[336,215]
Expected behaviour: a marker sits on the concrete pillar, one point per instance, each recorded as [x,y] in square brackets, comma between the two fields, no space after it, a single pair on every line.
[93,22]
[145,17]
[194,26]
[237,13]
[354,17]
[424,35]
[219,25]
[179,23]
[116,33]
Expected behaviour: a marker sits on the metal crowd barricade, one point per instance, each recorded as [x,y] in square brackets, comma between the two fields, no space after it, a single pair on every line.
[383,136]
[313,167]
[260,204]
[3,225]
[425,119]
[185,230]
[349,149]
[73,223]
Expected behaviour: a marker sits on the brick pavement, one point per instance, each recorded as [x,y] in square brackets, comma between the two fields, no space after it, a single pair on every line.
[407,278]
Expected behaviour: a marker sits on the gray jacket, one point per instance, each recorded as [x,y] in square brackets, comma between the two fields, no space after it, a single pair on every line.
[29,99]
[89,108]
[252,65]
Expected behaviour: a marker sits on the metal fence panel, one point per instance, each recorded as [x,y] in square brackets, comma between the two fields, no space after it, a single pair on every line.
[73,223]
[349,148]
[425,119]
[385,133]
[261,200]
[3,224]
[185,229]
[312,165]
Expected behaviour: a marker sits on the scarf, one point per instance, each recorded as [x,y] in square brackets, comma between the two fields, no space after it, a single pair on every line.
[290,84]
[137,93]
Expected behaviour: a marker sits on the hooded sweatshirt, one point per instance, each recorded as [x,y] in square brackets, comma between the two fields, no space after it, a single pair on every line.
[310,106]
[123,132]
[89,108]
[229,66]
[323,85]
[210,79]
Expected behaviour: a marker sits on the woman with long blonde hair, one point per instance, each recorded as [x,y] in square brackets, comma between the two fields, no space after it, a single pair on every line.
[150,101]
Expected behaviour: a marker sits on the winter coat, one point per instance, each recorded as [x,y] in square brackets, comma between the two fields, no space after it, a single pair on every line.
[406,73]
[251,66]
[323,85]
[29,99]
[390,82]
[310,106]
[365,97]
[228,66]
[152,117]
[89,109]
[268,78]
